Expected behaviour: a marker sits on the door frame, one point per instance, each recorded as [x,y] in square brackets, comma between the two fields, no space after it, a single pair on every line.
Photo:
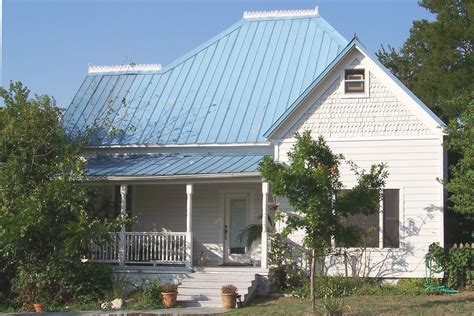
[222,210]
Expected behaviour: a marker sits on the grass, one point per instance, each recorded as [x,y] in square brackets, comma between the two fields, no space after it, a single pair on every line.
[455,304]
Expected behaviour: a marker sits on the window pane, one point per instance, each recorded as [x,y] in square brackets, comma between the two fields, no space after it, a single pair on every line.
[354,87]
[354,74]
[368,223]
[237,224]
[391,218]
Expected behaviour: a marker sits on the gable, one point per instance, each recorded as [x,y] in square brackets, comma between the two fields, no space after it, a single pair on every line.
[386,109]
[229,90]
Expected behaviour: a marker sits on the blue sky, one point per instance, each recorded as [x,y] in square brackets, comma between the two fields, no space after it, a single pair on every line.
[48,44]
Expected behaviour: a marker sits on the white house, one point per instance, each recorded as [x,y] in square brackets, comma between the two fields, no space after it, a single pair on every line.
[185,141]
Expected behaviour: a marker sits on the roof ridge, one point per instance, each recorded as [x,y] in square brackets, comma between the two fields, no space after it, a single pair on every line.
[123,68]
[280,13]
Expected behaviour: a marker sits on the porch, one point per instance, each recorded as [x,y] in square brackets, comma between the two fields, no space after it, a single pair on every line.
[184,226]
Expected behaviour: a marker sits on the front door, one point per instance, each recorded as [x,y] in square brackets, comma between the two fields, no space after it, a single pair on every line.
[236,219]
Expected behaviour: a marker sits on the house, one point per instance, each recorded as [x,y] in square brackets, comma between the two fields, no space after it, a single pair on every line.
[178,147]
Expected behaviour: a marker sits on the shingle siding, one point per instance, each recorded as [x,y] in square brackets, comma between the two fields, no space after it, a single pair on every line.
[380,114]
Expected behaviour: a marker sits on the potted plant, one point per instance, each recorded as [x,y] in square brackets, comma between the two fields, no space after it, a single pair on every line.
[229,296]
[169,293]
[272,206]
[38,307]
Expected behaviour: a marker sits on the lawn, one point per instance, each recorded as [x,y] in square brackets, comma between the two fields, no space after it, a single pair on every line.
[456,304]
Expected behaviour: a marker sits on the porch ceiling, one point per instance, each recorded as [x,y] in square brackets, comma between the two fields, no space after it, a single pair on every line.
[171,165]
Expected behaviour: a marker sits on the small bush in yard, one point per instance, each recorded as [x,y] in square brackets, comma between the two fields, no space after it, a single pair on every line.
[334,306]
[60,283]
[339,286]
[149,294]
[456,263]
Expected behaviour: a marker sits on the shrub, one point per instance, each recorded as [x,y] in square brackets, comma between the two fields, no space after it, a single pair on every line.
[338,286]
[169,288]
[229,289]
[60,283]
[456,263]
[334,306]
[148,294]
[120,287]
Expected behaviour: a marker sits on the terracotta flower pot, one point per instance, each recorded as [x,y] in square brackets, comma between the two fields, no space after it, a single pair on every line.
[272,206]
[228,300]
[169,299]
[38,308]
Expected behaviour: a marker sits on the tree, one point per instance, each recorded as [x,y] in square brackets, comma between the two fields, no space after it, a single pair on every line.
[47,220]
[436,61]
[461,185]
[310,183]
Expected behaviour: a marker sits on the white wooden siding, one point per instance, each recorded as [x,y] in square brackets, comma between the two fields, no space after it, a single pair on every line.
[163,207]
[413,167]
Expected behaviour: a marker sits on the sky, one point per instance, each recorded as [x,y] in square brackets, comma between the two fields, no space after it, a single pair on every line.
[48,44]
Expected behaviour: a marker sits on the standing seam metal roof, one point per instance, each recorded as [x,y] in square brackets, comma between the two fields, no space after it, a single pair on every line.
[169,165]
[231,89]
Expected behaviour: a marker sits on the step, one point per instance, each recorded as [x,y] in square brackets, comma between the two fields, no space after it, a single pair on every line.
[197,291]
[207,284]
[243,270]
[200,304]
[227,278]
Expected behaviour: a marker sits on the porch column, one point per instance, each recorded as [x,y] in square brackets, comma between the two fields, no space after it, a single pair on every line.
[189,226]
[265,191]
[123,212]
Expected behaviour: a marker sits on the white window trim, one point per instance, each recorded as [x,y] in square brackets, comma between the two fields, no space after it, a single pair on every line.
[353,95]
[401,220]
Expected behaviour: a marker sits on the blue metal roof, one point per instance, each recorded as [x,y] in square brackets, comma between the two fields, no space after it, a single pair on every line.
[228,90]
[171,164]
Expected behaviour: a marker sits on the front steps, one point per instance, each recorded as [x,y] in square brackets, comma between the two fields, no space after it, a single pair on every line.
[203,287]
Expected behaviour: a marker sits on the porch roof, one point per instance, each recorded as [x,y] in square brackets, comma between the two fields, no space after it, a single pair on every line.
[171,165]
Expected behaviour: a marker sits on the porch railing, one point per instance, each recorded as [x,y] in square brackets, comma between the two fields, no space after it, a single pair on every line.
[143,248]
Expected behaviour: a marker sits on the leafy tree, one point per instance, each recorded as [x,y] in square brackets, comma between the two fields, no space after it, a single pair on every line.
[461,135]
[47,221]
[436,61]
[310,182]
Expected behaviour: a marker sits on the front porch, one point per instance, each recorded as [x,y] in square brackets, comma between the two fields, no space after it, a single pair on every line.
[186,226]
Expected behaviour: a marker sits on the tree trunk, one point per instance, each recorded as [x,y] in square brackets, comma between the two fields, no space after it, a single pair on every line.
[312,277]
[345,264]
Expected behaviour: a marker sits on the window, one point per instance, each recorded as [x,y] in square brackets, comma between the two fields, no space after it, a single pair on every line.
[371,223]
[354,81]
[391,218]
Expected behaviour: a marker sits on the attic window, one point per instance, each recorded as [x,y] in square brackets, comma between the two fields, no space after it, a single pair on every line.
[354,81]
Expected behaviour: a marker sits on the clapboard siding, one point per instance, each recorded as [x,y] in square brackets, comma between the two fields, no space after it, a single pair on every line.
[374,129]
[414,167]
[163,207]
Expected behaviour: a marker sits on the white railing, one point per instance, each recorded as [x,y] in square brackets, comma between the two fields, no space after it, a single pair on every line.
[107,251]
[143,247]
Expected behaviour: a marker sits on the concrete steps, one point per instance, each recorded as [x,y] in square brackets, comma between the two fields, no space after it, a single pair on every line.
[203,287]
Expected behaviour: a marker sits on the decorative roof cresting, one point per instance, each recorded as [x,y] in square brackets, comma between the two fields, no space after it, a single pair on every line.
[280,13]
[123,68]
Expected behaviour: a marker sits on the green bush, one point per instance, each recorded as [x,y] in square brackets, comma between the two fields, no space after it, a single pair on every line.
[60,283]
[456,263]
[148,295]
[339,286]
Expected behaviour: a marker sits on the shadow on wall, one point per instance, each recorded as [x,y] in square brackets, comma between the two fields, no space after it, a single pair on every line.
[206,253]
[378,262]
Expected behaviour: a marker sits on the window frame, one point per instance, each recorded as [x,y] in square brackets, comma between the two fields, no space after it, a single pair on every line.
[401,219]
[352,95]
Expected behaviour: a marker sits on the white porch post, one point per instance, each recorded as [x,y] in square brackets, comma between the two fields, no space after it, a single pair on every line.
[189,226]
[123,212]
[265,191]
